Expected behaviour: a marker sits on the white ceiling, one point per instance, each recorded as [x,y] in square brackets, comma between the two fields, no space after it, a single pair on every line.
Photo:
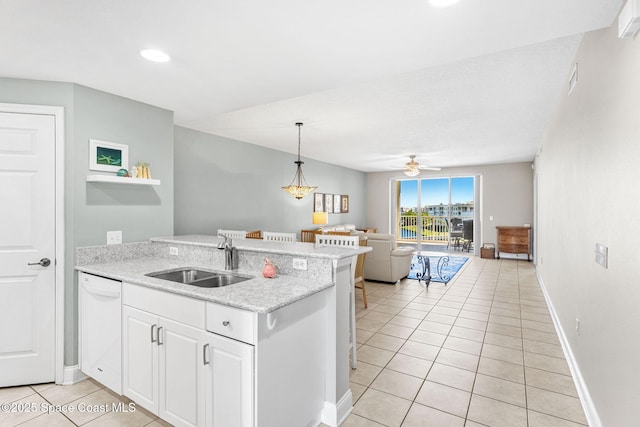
[372,80]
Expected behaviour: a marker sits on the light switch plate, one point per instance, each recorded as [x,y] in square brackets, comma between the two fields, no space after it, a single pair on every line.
[602,255]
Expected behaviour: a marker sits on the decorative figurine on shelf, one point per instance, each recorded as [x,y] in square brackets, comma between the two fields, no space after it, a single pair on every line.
[143,170]
[134,172]
[269,270]
[122,172]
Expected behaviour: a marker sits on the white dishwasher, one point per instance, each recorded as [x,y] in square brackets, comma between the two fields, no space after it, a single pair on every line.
[100,329]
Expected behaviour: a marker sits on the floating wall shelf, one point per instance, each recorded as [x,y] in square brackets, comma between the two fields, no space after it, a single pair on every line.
[113,179]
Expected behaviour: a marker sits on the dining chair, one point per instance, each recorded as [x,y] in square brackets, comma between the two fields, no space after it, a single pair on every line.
[309,236]
[274,236]
[256,234]
[232,234]
[346,242]
[358,281]
[336,240]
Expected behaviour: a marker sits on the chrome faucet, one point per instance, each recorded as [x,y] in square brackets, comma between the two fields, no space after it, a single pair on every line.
[230,253]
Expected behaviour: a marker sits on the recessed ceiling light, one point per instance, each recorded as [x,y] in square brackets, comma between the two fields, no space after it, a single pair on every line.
[155,55]
[443,3]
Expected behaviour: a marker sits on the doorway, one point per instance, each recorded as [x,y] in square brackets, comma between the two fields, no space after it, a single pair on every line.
[31,244]
[436,214]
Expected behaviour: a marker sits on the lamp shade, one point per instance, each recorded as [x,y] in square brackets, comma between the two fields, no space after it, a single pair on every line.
[320,218]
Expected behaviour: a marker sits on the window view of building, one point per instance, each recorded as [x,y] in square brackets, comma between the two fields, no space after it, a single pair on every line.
[435,211]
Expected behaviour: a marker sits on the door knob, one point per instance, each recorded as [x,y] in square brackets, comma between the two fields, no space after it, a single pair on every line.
[44,262]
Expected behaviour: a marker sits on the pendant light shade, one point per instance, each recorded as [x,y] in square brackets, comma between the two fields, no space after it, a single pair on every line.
[299,187]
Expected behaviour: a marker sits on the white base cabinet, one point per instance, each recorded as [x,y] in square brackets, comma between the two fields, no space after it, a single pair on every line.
[163,354]
[197,363]
[164,367]
[230,387]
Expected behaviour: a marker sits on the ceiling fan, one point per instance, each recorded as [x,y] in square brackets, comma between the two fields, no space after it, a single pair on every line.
[413,168]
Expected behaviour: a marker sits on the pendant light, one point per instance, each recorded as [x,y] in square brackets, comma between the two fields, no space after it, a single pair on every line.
[299,187]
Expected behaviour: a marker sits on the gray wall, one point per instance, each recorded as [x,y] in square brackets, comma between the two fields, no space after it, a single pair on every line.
[93,209]
[587,173]
[229,184]
[506,193]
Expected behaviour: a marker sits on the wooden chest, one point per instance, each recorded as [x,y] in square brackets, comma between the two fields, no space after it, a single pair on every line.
[514,240]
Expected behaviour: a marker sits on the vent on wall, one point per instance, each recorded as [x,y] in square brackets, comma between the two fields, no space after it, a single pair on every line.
[629,19]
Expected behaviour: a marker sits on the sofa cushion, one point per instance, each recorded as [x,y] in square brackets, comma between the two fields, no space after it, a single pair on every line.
[339,227]
[386,237]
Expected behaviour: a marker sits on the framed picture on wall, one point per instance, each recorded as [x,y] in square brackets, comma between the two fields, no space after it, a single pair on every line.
[107,156]
[318,202]
[328,203]
[344,204]
[336,203]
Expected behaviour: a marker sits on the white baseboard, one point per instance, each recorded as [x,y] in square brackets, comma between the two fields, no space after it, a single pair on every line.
[583,392]
[72,375]
[334,415]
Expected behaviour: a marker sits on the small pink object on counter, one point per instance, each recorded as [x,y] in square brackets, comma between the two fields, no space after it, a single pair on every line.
[269,270]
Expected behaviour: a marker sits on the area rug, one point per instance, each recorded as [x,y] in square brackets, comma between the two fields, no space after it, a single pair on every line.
[442,267]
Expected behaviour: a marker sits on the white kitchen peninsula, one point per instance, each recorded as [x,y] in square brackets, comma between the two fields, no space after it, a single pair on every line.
[292,331]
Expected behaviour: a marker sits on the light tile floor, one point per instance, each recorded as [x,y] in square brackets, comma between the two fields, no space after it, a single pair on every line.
[86,403]
[480,351]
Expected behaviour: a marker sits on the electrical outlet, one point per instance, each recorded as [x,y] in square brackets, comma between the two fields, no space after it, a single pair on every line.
[114,237]
[299,263]
[173,251]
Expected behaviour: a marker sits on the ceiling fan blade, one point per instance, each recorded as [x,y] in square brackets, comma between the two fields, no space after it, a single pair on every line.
[426,168]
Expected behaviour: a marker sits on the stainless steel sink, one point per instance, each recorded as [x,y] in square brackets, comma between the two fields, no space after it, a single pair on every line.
[201,278]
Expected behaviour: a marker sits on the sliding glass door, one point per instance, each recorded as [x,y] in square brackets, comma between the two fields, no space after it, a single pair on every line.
[436,213]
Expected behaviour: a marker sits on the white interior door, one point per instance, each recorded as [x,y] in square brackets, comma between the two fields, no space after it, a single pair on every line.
[27,236]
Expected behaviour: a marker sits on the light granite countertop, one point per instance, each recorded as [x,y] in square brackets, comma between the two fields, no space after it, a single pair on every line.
[259,294]
[258,245]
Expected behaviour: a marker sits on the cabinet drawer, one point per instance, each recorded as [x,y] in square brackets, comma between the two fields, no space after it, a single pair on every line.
[189,311]
[514,249]
[513,240]
[231,322]
[519,233]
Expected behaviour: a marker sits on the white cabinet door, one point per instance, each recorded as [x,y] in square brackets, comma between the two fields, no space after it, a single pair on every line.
[140,358]
[182,374]
[230,382]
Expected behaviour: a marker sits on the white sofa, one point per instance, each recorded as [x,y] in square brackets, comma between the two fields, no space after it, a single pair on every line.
[387,262]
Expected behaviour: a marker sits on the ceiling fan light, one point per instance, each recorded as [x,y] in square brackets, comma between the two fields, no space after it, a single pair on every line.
[412,171]
[412,167]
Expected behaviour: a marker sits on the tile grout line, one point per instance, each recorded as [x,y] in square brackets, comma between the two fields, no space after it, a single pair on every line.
[440,298]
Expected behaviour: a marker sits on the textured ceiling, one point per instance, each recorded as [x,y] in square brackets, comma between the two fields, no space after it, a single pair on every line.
[373,80]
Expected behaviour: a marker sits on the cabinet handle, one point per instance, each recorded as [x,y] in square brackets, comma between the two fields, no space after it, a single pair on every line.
[153,333]
[225,323]
[159,335]
[205,353]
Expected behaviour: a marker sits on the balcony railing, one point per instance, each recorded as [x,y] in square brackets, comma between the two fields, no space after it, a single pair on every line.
[435,229]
